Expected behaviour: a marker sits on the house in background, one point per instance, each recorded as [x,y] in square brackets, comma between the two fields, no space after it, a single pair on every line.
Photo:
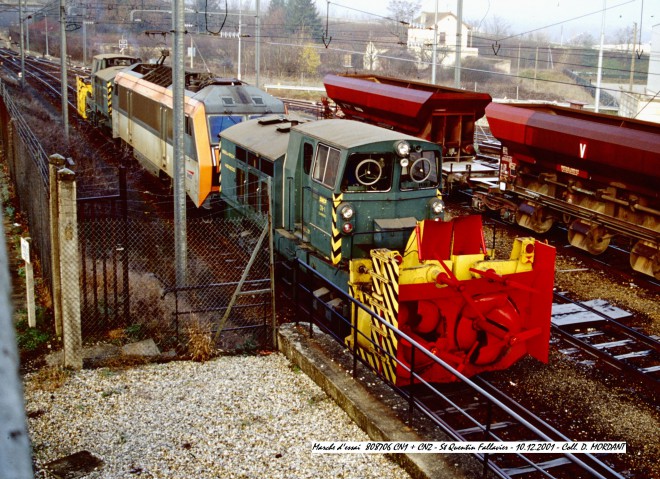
[421,34]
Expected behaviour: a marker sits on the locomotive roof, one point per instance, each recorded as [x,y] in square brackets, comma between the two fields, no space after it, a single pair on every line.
[268,137]
[242,98]
[106,56]
[351,133]
[108,74]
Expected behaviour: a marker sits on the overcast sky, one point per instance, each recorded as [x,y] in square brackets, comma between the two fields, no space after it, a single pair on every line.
[526,15]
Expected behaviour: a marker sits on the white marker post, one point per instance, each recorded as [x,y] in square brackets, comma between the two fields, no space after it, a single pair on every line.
[29,281]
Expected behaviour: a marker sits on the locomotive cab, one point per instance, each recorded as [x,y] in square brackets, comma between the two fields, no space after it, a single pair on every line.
[339,188]
[358,187]
[94,94]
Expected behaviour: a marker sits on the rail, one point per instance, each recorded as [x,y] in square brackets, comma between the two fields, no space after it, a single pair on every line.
[615,344]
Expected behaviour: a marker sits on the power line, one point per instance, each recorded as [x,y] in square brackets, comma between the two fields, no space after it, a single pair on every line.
[568,20]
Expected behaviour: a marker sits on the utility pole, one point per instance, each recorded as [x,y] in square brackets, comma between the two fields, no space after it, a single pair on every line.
[536,65]
[20,21]
[632,61]
[459,43]
[240,19]
[84,35]
[600,59]
[46,26]
[27,32]
[435,43]
[178,86]
[257,51]
[65,91]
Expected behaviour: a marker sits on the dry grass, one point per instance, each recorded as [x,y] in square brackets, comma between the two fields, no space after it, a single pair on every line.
[200,340]
[49,379]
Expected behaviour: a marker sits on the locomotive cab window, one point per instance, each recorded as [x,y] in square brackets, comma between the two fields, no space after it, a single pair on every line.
[368,172]
[326,165]
[421,171]
[308,154]
[218,123]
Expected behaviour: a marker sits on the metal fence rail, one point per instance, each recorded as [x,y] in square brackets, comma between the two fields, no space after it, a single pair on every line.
[28,166]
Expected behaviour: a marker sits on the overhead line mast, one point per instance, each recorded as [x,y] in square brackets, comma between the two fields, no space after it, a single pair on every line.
[178,65]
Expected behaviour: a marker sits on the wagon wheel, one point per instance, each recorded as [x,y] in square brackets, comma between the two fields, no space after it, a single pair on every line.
[537,221]
[595,240]
[420,170]
[368,172]
[645,258]
[599,240]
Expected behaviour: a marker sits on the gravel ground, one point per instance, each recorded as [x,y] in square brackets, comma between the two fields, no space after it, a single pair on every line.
[232,417]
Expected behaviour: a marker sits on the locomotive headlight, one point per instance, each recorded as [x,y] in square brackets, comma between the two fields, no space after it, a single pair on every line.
[402,148]
[346,212]
[346,218]
[437,206]
[502,185]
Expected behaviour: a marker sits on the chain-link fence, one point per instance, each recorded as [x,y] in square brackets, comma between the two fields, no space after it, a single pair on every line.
[129,290]
[28,167]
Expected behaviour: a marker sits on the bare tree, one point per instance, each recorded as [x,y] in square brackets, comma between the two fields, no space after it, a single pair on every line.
[584,39]
[404,10]
[497,27]
[624,36]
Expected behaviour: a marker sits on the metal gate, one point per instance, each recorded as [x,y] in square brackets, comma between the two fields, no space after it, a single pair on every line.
[104,278]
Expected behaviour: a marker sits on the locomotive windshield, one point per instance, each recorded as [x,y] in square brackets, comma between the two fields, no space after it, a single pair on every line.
[368,172]
[421,171]
[218,123]
[375,172]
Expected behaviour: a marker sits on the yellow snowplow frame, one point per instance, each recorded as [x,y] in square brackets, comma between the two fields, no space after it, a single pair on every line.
[84,89]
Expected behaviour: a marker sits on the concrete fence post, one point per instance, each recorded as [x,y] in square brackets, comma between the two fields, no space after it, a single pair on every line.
[69,268]
[56,162]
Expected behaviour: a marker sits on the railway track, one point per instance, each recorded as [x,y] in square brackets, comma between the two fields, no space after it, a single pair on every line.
[44,73]
[592,329]
[482,412]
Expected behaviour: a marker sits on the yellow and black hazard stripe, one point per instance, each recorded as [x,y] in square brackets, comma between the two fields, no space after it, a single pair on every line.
[109,97]
[335,246]
[366,355]
[385,280]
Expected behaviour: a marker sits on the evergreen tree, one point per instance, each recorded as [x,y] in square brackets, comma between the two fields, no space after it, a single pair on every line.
[303,18]
[276,5]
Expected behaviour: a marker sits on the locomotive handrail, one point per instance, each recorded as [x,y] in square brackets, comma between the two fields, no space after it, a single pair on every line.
[464,379]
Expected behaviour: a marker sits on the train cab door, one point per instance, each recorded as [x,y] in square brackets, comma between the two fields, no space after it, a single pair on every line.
[297,191]
[318,204]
